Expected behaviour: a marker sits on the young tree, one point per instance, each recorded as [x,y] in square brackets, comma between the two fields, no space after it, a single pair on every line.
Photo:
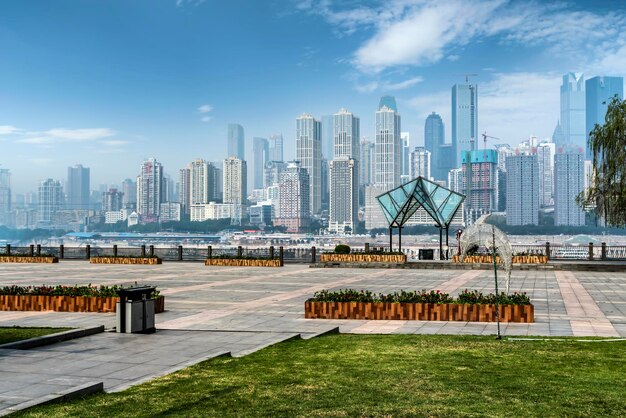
[607,188]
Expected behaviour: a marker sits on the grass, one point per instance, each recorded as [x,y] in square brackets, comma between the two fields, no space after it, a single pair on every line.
[390,376]
[12,334]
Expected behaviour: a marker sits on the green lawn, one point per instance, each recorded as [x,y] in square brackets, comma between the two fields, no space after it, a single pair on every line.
[11,334]
[395,375]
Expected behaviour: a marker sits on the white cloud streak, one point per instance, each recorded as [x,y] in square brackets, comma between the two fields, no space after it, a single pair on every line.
[9,130]
[205,108]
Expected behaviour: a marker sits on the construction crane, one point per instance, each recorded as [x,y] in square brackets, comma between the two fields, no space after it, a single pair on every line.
[485,136]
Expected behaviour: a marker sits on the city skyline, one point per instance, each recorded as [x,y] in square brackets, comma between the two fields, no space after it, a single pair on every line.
[123,98]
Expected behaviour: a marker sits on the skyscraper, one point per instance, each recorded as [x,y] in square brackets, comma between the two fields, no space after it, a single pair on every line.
[545,159]
[129,189]
[112,200]
[421,161]
[346,134]
[150,189]
[598,93]
[480,183]
[235,181]
[260,147]
[522,190]
[406,152]
[50,200]
[276,148]
[236,141]
[184,189]
[309,153]
[464,119]
[573,110]
[569,182]
[78,190]
[328,137]
[434,138]
[201,182]
[5,196]
[366,163]
[293,202]
[344,194]
[388,145]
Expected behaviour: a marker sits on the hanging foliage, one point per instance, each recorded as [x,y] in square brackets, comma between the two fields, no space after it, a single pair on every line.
[607,189]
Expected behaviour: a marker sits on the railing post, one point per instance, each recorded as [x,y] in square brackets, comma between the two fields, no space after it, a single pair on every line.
[38,250]
[271,252]
[143,250]
[210,251]
[61,251]
[603,251]
[313,255]
[591,251]
[240,251]
[548,250]
[281,255]
[32,250]
[367,247]
[115,250]
[8,249]
[87,251]
[180,253]
[152,251]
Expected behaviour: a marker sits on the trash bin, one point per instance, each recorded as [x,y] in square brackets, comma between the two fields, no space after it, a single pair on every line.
[426,254]
[135,310]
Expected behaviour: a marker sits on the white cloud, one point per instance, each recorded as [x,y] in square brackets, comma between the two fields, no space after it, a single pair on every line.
[205,108]
[387,86]
[206,118]
[8,130]
[113,142]
[80,134]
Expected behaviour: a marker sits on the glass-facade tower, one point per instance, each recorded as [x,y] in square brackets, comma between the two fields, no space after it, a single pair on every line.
[598,93]
[464,119]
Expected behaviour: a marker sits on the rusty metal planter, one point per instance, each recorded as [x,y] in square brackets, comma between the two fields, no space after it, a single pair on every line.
[66,303]
[28,259]
[126,260]
[363,258]
[242,262]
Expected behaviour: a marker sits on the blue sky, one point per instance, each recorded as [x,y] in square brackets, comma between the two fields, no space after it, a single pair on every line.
[107,84]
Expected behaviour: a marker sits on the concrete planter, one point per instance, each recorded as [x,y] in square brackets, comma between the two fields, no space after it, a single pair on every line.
[418,311]
[126,260]
[487,259]
[28,259]
[66,303]
[362,258]
[242,262]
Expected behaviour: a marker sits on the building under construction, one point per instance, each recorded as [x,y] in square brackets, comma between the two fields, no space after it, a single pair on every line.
[480,183]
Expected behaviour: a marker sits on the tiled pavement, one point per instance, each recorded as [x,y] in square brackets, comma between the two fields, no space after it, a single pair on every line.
[214,310]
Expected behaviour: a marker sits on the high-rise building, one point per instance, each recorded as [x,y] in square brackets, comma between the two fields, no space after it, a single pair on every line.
[5,196]
[447,160]
[374,217]
[276,148]
[464,119]
[545,159]
[235,181]
[522,190]
[272,173]
[344,194]
[328,137]
[201,182]
[129,190]
[455,180]
[503,150]
[325,185]
[480,183]
[569,182]
[112,200]
[184,189]
[150,189]
[50,200]
[598,93]
[573,110]
[78,190]
[367,163]
[293,202]
[388,145]
[309,153]
[434,138]
[420,162]
[260,146]
[406,152]
[346,134]
[236,141]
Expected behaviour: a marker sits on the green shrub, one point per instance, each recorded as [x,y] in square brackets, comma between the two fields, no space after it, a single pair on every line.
[59,290]
[342,249]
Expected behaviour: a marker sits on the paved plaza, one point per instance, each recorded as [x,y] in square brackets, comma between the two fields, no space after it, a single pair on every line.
[213,311]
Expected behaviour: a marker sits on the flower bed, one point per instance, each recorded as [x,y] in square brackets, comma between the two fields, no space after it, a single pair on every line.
[125,260]
[28,259]
[362,258]
[65,299]
[423,306]
[517,259]
[243,262]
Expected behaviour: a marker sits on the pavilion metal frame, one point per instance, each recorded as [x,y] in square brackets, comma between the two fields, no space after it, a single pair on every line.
[399,204]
